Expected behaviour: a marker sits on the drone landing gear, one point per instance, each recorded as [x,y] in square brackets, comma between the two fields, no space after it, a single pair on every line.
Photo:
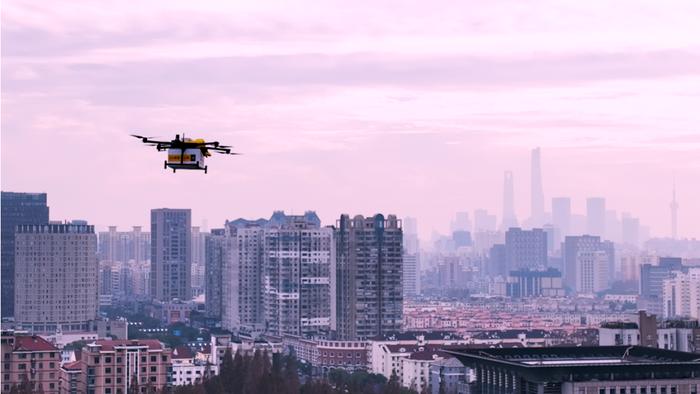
[165,165]
[205,169]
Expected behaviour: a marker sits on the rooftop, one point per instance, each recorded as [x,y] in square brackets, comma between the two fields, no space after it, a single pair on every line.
[111,344]
[600,362]
[32,343]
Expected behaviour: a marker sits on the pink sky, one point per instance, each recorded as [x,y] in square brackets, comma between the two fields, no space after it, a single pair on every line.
[413,108]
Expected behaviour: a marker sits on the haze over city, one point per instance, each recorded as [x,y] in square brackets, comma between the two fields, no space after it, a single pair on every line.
[398,107]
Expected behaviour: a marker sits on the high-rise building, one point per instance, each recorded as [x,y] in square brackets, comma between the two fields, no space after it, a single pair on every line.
[653,276]
[368,283]
[215,254]
[411,258]
[171,254]
[17,208]
[575,246]
[296,278]
[630,230]
[124,246]
[525,248]
[681,294]
[411,275]
[595,216]
[591,271]
[536,192]
[497,260]
[561,218]
[509,218]
[56,277]
[242,302]
[197,268]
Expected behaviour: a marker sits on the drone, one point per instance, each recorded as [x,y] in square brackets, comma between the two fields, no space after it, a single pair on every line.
[186,153]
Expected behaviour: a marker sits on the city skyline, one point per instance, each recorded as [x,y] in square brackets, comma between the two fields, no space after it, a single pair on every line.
[437,108]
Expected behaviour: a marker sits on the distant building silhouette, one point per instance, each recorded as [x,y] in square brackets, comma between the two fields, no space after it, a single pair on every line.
[509,218]
[17,209]
[561,218]
[525,248]
[536,191]
[483,221]
[581,250]
[595,216]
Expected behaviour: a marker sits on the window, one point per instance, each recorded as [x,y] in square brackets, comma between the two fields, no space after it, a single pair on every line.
[153,369]
[153,378]
[165,359]
[119,360]
[108,359]
[108,380]
[153,359]
[119,370]
[108,370]
[97,360]
[23,366]
[143,359]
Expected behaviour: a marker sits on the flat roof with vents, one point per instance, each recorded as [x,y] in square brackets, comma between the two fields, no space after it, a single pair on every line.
[551,364]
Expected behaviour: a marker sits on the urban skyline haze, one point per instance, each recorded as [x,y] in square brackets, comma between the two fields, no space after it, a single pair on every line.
[425,106]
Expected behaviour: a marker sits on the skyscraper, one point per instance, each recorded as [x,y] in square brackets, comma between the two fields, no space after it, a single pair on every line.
[368,284]
[277,275]
[171,254]
[591,271]
[674,214]
[585,245]
[525,249]
[296,278]
[56,277]
[509,218]
[561,217]
[242,291]
[595,216]
[124,246]
[17,208]
[536,192]
[411,258]
[214,256]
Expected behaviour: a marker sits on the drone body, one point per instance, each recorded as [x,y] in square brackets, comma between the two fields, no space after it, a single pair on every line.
[187,153]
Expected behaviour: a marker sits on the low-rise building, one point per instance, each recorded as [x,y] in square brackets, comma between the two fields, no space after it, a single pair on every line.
[118,366]
[187,369]
[447,375]
[29,360]
[589,370]
[415,369]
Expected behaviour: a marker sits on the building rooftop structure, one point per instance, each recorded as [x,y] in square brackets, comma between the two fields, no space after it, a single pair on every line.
[575,364]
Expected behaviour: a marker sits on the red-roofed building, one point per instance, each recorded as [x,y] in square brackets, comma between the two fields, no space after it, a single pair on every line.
[31,360]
